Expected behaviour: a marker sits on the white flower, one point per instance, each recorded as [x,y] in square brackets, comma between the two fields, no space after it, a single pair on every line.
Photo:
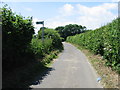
[110,49]
[104,48]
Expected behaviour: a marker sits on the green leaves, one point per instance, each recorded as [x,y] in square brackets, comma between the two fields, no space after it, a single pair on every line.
[52,41]
[17,33]
[70,30]
[53,35]
[19,45]
[104,40]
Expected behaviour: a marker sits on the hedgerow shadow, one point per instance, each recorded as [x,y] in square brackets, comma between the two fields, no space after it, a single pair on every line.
[24,77]
[39,78]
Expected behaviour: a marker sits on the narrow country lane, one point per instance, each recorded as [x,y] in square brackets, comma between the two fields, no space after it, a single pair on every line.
[70,70]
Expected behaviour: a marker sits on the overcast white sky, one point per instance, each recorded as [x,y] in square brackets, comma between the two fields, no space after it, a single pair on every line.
[90,14]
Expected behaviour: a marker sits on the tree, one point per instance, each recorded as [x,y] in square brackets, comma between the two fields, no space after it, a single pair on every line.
[70,30]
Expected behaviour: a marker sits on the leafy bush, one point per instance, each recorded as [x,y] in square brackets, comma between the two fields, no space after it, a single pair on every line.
[17,33]
[18,49]
[21,49]
[104,41]
[40,49]
[54,36]
[52,41]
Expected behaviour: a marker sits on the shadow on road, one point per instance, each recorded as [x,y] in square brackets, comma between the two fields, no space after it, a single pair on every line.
[24,77]
[41,77]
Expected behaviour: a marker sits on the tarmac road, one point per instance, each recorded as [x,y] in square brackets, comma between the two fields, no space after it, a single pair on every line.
[70,70]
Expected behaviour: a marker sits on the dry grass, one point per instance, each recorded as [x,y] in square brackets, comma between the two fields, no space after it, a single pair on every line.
[109,77]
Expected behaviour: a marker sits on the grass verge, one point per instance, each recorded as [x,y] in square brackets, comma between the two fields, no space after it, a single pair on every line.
[24,76]
[109,77]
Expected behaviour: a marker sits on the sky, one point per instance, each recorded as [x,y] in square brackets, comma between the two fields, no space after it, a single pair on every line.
[90,14]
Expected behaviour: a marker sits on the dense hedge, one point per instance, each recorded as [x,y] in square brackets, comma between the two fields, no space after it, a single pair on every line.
[24,55]
[17,33]
[104,41]
[19,44]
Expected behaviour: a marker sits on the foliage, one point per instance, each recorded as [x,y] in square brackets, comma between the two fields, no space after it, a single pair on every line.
[25,76]
[104,41]
[40,49]
[52,41]
[70,30]
[53,35]
[20,46]
[17,33]
[24,54]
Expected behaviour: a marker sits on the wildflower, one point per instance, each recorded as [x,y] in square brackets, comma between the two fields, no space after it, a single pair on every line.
[104,48]
[110,50]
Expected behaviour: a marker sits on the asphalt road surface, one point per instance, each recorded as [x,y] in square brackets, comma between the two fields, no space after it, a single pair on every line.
[70,70]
